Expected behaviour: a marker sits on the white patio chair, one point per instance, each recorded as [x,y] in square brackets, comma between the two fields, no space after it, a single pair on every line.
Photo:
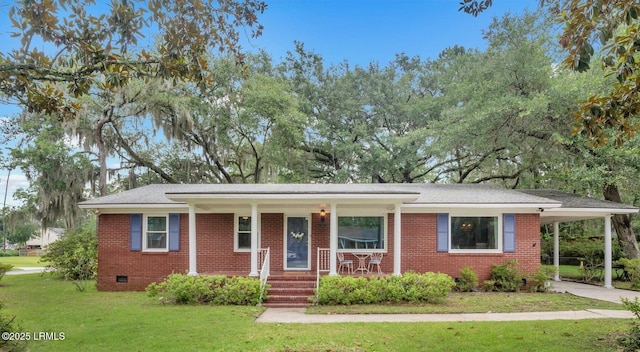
[376,259]
[345,263]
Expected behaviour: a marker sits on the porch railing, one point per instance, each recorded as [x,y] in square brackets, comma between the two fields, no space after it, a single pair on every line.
[264,268]
[323,265]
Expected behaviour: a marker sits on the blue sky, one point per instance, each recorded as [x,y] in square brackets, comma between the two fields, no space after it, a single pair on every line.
[359,31]
[362,31]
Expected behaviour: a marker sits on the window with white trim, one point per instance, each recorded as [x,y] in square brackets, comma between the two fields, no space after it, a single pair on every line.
[243,233]
[475,232]
[156,229]
[362,232]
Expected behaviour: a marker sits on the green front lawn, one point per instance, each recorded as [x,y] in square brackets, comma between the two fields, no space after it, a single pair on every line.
[108,321]
[26,261]
[471,302]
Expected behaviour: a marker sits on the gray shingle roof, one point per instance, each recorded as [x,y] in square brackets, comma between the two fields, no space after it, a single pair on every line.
[571,200]
[424,193]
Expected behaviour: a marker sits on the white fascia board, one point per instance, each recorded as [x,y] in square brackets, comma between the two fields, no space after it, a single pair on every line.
[595,211]
[505,206]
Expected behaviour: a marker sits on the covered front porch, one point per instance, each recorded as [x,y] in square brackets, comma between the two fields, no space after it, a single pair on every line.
[290,227]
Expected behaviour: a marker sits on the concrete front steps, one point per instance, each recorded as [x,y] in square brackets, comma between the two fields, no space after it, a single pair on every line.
[290,290]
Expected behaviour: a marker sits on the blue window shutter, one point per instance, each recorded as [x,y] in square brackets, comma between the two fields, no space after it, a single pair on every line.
[509,232]
[135,234]
[443,233]
[174,232]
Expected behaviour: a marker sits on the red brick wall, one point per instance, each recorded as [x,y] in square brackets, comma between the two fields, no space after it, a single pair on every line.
[141,268]
[215,244]
[419,248]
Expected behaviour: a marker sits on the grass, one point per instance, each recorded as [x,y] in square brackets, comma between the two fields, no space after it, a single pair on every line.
[106,321]
[22,261]
[480,303]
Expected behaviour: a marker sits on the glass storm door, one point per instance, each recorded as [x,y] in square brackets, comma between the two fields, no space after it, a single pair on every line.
[297,243]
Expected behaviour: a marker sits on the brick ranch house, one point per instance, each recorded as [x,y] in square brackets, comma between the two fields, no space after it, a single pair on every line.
[147,233]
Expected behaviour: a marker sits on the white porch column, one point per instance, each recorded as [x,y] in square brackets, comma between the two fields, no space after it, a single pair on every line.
[397,240]
[607,251]
[333,238]
[193,263]
[556,250]
[254,240]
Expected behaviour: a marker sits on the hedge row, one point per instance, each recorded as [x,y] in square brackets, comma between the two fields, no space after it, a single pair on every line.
[207,289]
[410,287]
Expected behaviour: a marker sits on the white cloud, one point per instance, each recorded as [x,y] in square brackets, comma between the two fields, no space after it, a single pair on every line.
[16,180]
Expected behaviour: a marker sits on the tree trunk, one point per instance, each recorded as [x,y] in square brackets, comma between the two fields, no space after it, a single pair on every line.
[622,224]
[102,152]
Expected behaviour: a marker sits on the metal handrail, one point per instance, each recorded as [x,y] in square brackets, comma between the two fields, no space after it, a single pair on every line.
[264,255]
[323,265]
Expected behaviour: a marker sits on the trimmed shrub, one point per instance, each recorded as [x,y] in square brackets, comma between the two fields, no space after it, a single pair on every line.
[505,276]
[488,285]
[206,289]
[541,278]
[427,287]
[411,287]
[468,280]
[237,290]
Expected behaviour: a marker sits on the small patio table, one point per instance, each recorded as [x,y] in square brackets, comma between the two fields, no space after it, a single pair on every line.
[362,262]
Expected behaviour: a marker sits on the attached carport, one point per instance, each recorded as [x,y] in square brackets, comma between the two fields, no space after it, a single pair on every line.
[576,208]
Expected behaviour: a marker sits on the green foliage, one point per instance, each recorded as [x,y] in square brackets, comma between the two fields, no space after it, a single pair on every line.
[540,279]
[427,287]
[10,253]
[4,268]
[468,280]
[506,276]
[410,287]
[631,341]
[75,255]
[47,81]
[9,325]
[488,285]
[582,248]
[207,289]
[632,268]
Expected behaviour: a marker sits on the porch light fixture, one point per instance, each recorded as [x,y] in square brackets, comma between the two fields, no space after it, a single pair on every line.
[323,216]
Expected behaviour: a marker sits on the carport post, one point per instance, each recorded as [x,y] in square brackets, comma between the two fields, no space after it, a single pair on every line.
[607,251]
[556,250]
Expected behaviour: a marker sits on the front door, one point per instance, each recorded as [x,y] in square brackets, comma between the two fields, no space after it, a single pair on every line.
[297,243]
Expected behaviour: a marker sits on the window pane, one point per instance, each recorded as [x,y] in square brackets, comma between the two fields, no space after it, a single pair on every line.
[244,223]
[474,232]
[361,232]
[157,223]
[244,240]
[157,240]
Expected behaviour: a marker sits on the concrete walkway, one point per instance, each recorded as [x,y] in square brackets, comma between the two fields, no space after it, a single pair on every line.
[26,270]
[297,315]
[595,292]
